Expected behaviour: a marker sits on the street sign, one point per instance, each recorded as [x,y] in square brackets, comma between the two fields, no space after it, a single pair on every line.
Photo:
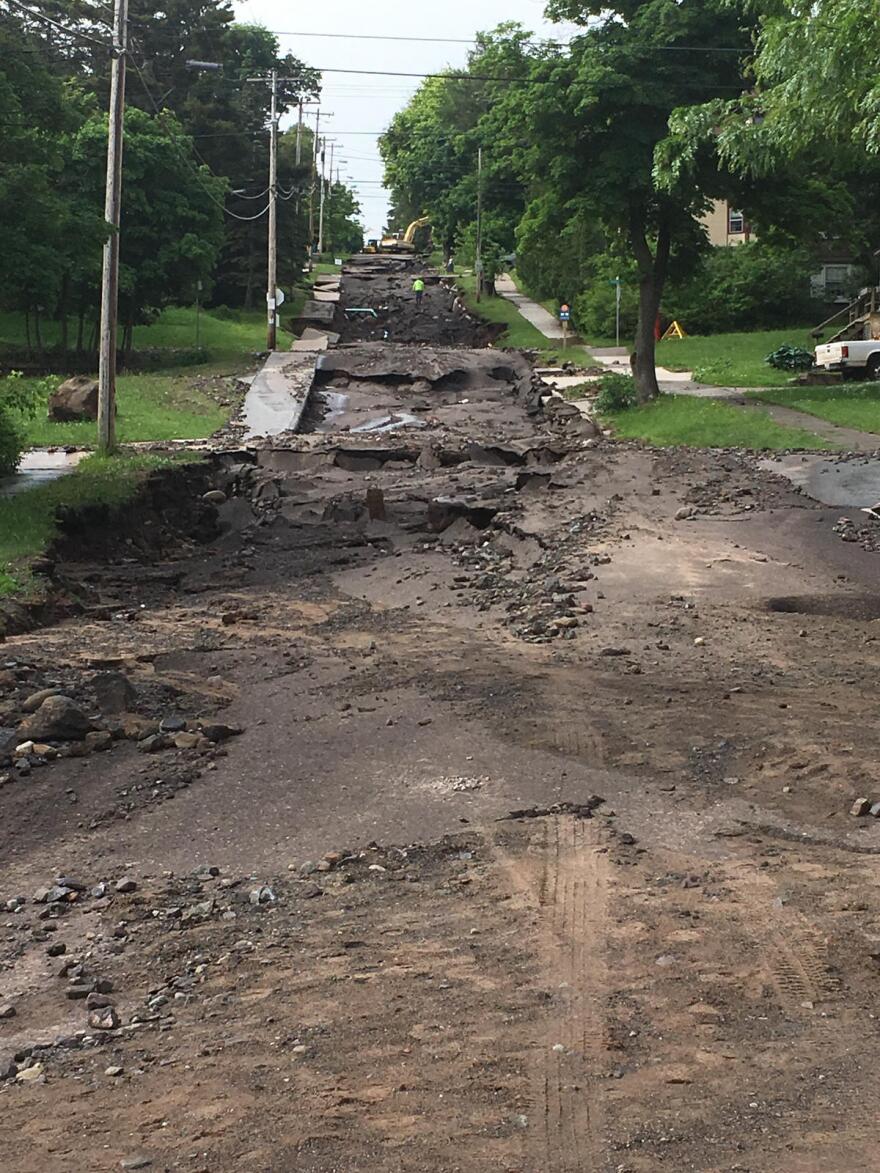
[279,297]
[565,313]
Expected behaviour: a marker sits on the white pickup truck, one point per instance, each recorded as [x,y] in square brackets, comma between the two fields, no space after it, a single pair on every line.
[855,356]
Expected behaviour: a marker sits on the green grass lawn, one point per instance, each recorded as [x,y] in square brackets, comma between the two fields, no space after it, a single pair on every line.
[854,405]
[706,423]
[732,360]
[177,403]
[27,521]
[224,333]
[164,405]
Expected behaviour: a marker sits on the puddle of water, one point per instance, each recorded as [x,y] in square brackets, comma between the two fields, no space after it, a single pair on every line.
[388,423]
[336,403]
[38,468]
[847,483]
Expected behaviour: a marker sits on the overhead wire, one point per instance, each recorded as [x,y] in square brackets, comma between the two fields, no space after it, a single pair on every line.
[172,138]
[74,33]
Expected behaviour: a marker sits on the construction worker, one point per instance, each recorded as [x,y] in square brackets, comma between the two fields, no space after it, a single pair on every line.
[419,290]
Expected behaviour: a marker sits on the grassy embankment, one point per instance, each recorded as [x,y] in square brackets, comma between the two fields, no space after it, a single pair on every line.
[853,405]
[519,334]
[708,423]
[27,520]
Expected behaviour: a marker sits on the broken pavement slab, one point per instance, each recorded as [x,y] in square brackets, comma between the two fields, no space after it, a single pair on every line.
[278,395]
[316,313]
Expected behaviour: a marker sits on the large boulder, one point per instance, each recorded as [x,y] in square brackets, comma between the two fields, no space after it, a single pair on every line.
[77,399]
[57,719]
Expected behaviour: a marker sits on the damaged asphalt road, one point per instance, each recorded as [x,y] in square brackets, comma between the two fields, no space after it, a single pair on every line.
[266,905]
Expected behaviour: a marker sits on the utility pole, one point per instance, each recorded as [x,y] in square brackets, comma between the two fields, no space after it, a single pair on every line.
[312,186]
[110,266]
[323,191]
[478,252]
[299,135]
[272,279]
[330,190]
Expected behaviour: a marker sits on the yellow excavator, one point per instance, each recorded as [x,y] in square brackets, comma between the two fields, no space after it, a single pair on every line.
[404,242]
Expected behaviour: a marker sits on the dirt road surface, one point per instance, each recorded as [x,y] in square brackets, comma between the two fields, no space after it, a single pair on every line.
[498,817]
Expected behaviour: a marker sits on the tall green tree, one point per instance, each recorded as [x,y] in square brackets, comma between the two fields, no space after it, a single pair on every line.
[595,114]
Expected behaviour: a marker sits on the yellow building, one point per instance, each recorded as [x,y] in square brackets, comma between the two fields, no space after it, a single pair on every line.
[726,226]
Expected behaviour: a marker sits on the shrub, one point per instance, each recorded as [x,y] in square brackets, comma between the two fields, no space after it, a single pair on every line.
[752,286]
[790,358]
[618,393]
[19,398]
[11,443]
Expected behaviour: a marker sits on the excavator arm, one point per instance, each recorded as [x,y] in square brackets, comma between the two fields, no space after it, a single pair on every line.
[410,234]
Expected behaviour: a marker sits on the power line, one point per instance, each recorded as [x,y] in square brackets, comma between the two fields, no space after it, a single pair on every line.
[61,27]
[173,139]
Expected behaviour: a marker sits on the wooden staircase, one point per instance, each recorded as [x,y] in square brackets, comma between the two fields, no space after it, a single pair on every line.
[857,321]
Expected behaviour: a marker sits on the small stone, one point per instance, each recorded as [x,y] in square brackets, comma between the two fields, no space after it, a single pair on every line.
[172,725]
[214,497]
[699,641]
[186,740]
[198,911]
[32,703]
[308,868]
[32,1074]
[874,810]
[310,891]
[23,749]
[263,895]
[99,740]
[57,894]
[860,807]
[57,719]
[113,1071]
[57,949]
[7,1010]
[79,990]
[99,891]
[153,743]
[126,884]
[216,731]
[114,692]
[97,1001]
[684,513]
[103,1018]
[138,1161]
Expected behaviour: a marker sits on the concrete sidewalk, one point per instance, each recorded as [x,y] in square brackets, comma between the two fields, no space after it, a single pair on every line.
[530,310]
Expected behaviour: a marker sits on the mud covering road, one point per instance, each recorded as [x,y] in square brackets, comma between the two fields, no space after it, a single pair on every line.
[472,795]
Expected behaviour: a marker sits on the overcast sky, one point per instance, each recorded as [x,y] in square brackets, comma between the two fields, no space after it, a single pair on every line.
[362,106]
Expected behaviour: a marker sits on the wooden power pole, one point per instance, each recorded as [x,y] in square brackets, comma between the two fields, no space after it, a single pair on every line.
[478,251]
[272,278]
[110,268]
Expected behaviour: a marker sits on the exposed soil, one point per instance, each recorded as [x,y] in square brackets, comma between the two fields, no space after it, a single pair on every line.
[534,852]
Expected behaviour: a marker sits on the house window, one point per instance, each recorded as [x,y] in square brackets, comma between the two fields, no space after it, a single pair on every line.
[836,278]
[736,223]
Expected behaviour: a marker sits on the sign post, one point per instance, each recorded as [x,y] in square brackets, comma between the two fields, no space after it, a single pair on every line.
[616,282]
[565,318]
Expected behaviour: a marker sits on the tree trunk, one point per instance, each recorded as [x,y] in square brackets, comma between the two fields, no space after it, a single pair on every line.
[38,336]
[653,268]
[62,313]
[80,330]
[27,328]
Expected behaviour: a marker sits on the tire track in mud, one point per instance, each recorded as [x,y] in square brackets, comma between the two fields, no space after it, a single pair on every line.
[560,872]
